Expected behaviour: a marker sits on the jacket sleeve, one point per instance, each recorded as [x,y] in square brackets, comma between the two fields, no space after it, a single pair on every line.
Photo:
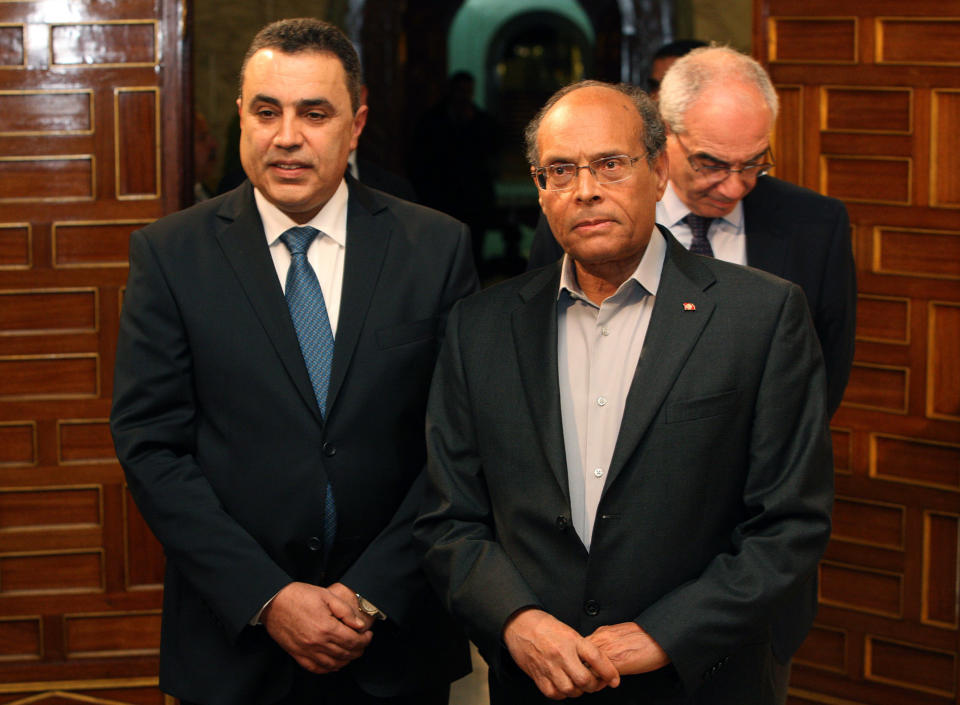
[154,426]
[475,578]
[836,319]
[788,494]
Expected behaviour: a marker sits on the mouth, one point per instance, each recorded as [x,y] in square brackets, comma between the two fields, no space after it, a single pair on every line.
[289,169]
[591,224]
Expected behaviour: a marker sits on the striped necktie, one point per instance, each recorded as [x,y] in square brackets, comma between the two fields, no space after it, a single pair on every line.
[699,227]
[309,313]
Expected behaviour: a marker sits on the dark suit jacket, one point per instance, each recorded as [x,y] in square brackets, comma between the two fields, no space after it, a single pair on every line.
[716,504]
[800,236]
[217,427]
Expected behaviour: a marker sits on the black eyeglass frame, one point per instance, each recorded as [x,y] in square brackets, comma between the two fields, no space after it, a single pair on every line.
[750,171]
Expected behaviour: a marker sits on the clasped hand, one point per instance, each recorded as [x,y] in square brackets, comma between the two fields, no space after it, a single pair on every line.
[564,664]
[321,628]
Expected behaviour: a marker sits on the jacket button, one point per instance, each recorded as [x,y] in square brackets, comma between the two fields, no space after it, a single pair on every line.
[591,607]
[314,543]
[329,450]
[562,523]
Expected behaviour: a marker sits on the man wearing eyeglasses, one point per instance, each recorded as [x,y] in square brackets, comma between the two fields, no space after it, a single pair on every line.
[629,468]
[720,107]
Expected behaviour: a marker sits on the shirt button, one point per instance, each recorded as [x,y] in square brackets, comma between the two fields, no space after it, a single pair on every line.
[598,472]
[602,401]
[604,331]
[591,607]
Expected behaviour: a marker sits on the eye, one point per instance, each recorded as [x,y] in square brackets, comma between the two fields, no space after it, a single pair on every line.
[713,164]
[266,113]
[560,169]
[316,115]
[611,163]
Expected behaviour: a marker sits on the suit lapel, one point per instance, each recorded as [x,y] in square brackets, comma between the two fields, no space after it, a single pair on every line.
[367,240]
[766,240]
[535,336]
[244,244]
[673,331]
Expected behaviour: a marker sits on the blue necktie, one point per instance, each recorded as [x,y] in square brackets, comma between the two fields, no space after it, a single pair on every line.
[309,313]
[699,227]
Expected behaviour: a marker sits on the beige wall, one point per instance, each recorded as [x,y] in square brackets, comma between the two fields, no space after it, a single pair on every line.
[724,21]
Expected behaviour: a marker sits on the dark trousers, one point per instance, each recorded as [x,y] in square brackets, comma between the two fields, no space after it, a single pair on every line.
[345,692]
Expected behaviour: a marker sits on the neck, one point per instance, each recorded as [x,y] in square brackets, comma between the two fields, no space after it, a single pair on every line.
[600,281]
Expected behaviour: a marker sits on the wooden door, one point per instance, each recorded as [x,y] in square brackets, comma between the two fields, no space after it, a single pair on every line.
[871,115]
[93,114]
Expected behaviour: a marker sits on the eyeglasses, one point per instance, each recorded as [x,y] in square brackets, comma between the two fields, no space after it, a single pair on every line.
[606,170]
[715,171]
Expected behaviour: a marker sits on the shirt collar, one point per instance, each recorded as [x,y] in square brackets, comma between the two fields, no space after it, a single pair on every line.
[671,210]
[331,220]
[647,273]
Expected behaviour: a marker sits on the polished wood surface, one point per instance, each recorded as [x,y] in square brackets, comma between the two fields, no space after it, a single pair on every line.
[93,132]
[871,115]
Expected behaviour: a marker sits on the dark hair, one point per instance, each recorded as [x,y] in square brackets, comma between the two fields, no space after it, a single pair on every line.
[302,34]
[680,47]
[654,135]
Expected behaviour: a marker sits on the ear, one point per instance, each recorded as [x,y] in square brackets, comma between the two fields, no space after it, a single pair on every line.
[359,122]
[661,168]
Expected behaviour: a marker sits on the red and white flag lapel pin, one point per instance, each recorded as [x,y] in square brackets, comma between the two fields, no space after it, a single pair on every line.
[687,306]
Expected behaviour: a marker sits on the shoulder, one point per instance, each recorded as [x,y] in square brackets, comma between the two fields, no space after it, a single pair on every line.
[201,217]
[798,200]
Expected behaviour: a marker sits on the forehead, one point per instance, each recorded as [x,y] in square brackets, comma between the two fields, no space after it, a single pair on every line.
[732,122]
[590,122]
[274,72]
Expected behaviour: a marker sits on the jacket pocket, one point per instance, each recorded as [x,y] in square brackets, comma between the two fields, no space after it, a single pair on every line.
[701,407]
[407,333]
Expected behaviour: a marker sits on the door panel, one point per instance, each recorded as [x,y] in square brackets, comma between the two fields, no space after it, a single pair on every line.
[871,115]
[93,121]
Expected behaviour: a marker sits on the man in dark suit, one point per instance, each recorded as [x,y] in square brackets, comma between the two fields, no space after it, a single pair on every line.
[629,467]
[274,356]
[720,107]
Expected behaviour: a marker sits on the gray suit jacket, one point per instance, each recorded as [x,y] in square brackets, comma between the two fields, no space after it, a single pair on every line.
[803,237]
[717,502]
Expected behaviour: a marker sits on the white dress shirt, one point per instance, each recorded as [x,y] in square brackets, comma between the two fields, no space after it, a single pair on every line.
[598,348]
[727,235]
[326,252]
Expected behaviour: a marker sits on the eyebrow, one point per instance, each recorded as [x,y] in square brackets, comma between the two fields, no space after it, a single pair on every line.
[303,103]
[707,155]
[595,157]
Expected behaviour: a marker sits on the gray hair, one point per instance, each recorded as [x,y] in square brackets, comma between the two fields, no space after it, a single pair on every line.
[654,134]
[705,68]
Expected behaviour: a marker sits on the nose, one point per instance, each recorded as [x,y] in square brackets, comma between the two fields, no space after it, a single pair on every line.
[585,185]
[288,134]
[735,186]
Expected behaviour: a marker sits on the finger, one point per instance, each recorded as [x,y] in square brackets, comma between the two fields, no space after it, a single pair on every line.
[598,663]
[344,611]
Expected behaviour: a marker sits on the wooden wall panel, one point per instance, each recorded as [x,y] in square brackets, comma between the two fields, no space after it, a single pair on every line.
[883,319]
[918,40]
[911,666]
[824,649]
[880,91]
[15,246]
[94,120]
[67,177]
[941,575]
[943,367]
[53,112]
